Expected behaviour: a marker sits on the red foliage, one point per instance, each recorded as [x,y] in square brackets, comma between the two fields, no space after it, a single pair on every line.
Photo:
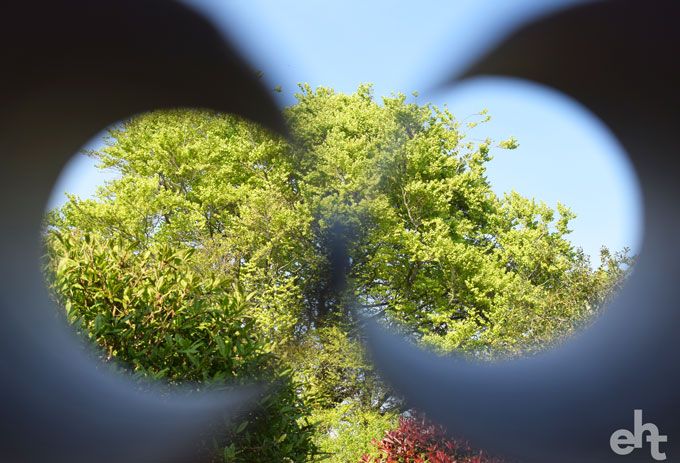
[418,441]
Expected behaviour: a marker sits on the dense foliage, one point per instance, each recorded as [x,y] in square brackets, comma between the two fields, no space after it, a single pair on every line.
[208,208]
[151,312]
[418,441]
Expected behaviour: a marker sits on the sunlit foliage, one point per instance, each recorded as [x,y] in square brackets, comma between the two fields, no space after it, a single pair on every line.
[208,208]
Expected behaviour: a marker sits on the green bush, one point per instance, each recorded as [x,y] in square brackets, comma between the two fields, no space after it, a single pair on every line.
[151,312]
[346,432]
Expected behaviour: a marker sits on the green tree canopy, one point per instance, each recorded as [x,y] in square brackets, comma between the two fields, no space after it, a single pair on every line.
[432,250]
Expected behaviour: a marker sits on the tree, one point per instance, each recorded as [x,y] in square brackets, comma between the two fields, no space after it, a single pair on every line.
[431,249]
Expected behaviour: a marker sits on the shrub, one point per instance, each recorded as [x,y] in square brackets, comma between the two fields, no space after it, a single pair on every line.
[345,432]
[151,312]
[418,441]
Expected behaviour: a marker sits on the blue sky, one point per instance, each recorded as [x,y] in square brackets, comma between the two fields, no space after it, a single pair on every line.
[565,153]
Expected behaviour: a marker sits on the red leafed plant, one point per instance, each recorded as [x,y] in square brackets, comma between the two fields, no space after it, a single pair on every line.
[417,440]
